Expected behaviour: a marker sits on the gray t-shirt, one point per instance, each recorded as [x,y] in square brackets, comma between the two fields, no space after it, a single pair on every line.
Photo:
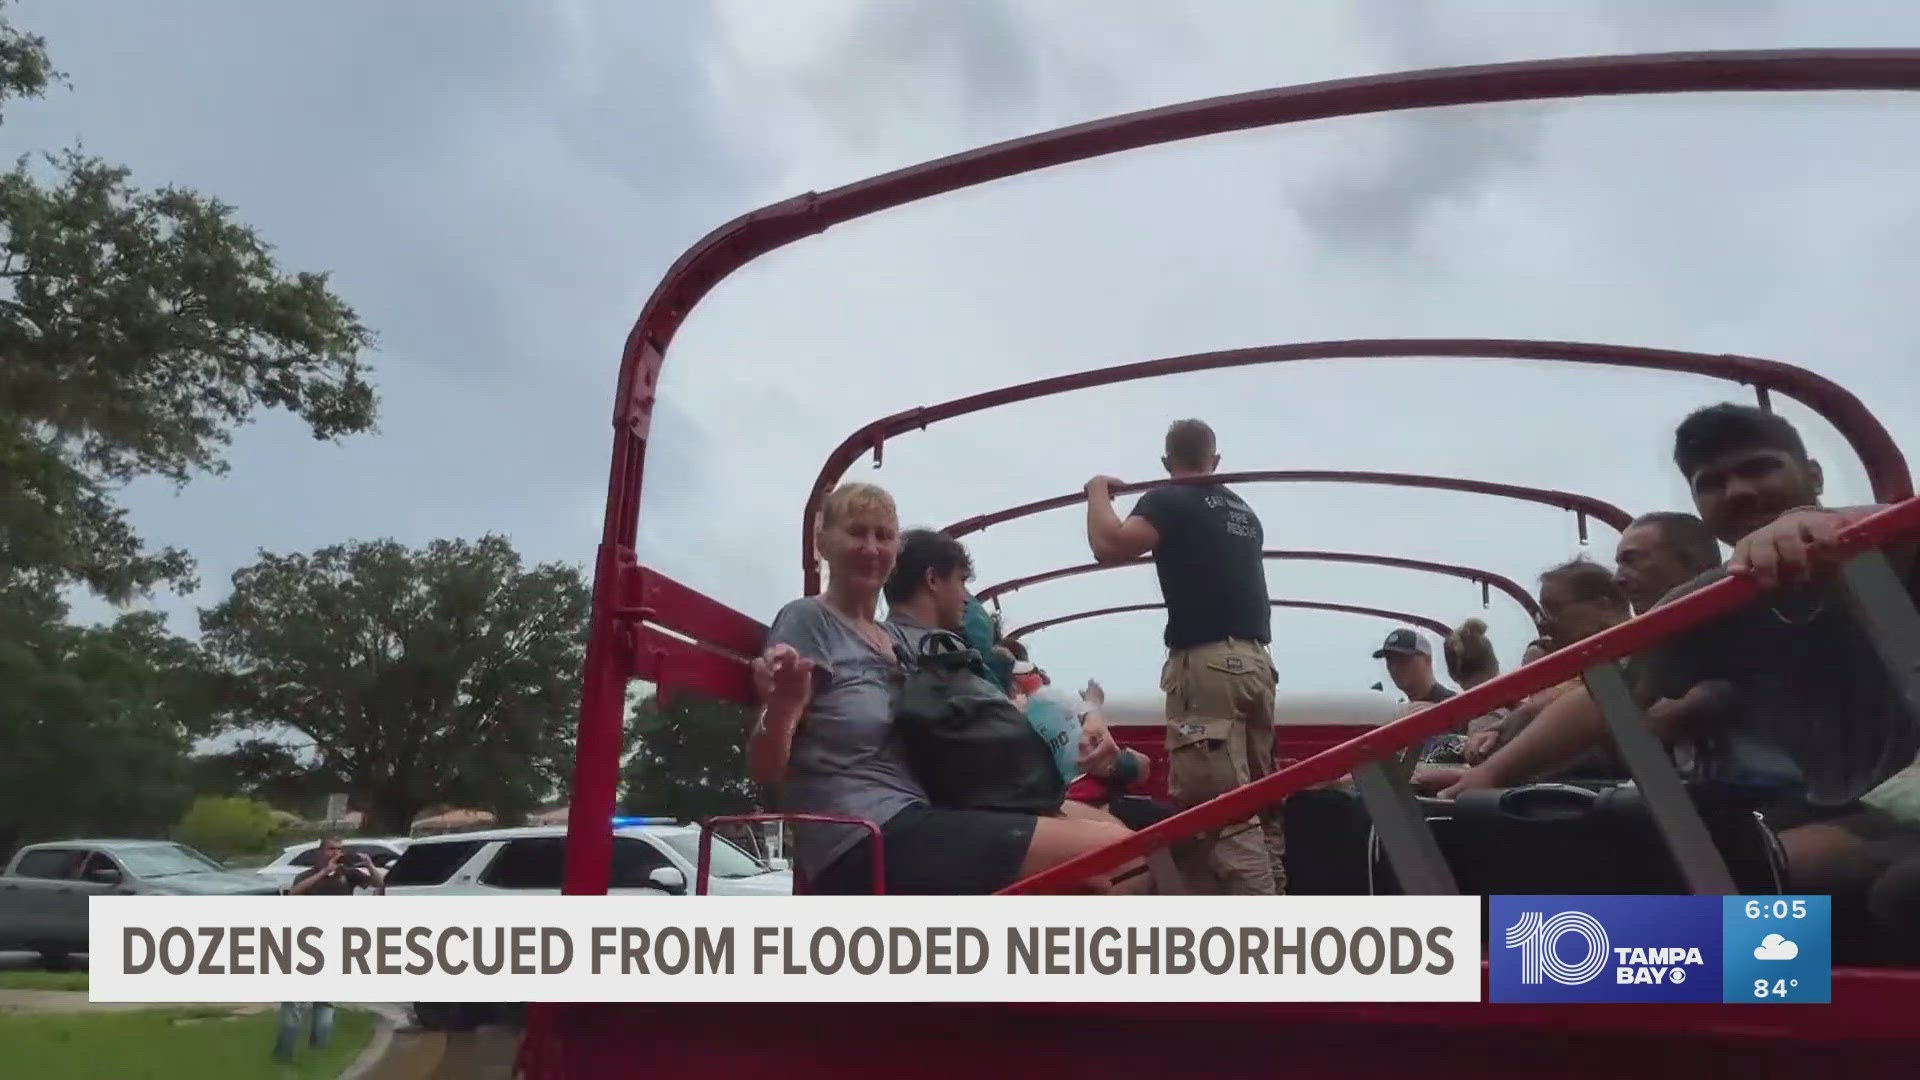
[1814,706]
[846,759]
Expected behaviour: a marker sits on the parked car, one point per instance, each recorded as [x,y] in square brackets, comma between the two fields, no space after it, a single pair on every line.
[651,859]
[654,858]
[297,859]
[44,891]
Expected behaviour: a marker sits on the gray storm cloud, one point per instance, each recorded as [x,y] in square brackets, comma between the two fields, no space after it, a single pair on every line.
[498,191]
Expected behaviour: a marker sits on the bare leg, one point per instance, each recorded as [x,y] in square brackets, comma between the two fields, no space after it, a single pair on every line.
[1058,839]
[1825,857]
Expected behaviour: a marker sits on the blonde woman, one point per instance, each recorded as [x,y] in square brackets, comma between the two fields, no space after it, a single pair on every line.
[825,738]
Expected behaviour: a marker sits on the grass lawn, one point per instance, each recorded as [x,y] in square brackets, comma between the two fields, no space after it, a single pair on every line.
[181,1043]
[43,980]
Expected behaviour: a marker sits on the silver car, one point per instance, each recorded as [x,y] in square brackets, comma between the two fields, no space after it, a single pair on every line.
[44,892]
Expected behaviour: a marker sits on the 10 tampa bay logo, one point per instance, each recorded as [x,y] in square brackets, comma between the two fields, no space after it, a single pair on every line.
[1605,948]
[1538,939]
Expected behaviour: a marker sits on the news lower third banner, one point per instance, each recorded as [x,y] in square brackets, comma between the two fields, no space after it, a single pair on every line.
[802,948]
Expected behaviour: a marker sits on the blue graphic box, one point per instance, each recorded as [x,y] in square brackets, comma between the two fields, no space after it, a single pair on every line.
[1598,949]
[1778,949]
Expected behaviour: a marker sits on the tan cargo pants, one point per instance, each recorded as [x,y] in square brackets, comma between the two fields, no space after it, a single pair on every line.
[1220,737]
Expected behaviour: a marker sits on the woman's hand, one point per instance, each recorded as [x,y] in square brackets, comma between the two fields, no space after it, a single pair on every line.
[783,678]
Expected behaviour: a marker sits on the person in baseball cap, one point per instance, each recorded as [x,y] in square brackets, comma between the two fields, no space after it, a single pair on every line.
[1410,664]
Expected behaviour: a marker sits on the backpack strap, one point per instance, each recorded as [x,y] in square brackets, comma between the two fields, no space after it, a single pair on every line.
[945,649]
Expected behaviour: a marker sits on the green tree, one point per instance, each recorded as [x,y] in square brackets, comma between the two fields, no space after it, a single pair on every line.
[96,722]
[442,675]
[223,826]
[139,329]
[270,771]
[689,759]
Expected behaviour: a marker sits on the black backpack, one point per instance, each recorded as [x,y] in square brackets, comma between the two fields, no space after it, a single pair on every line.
[967,743]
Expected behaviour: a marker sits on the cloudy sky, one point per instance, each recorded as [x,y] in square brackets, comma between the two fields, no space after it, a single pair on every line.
[498,186]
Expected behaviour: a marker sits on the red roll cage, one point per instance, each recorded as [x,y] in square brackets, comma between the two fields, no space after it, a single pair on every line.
[1432,624]
[1583,506]
[1484,578]
[1886,468]
[643,624]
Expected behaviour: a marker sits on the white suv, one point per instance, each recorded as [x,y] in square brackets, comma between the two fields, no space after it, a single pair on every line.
[651,858]
[655,858]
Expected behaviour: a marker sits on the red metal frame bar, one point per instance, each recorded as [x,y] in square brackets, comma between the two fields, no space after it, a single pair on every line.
[706,845]
[1555,668]
[733,245]
[1885,466]
[1584,506]
[1434,625]
[1483,578]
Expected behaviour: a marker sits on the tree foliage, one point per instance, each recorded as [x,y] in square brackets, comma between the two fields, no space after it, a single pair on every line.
[139,329]
[689,759]
[442,675]
[224,826]
[271,772]
[95,722]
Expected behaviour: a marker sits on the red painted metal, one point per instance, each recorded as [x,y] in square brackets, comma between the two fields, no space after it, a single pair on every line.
[1480,577]
[1867,1029]
[799,883]
[1624,640]
[1886,468]
[666,603]
[561,1040]
[1434,625]
[1583,505]
[733,245]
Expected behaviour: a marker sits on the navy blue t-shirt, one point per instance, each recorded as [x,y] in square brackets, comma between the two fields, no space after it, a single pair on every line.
[1209,562]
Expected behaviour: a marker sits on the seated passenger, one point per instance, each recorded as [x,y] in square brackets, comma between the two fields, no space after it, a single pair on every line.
[1410,665]
[1535,649]
[1658,553]
[1802,691]
[1578,599]
[1470,662]
[981,630]
[825,735]
[1109,786]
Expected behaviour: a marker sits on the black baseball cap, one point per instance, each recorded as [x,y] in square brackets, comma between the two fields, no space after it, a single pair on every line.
[1404,642]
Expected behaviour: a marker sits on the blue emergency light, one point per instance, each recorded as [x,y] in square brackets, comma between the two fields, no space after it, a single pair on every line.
[629,822]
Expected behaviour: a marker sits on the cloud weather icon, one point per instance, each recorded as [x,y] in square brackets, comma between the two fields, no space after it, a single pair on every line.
[1775,947]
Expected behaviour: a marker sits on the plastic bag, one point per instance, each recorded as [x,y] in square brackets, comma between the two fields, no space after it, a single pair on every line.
[1056,716]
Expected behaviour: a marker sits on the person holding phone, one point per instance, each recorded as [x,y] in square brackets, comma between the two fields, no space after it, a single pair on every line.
[335,872]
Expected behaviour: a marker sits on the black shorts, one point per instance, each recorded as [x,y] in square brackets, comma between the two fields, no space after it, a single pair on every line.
[931,852]
[1137,812]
